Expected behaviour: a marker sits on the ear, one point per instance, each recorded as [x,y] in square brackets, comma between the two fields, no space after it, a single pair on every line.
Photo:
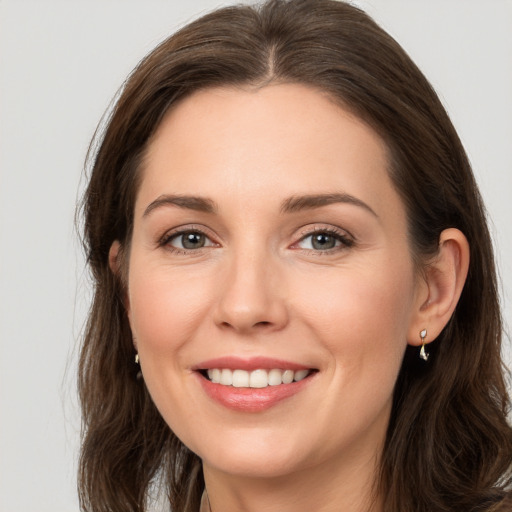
[438,294]
[113,258]
[115,264]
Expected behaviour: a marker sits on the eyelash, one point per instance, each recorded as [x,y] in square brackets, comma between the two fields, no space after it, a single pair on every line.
[345,241]
[168,237]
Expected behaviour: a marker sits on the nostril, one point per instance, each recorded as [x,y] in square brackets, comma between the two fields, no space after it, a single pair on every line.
[257,324]
[262,324]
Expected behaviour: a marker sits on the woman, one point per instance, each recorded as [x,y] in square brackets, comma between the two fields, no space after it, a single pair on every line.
[295,299]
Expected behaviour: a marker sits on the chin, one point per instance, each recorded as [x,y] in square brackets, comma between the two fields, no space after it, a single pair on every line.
[265,466]
[253,457]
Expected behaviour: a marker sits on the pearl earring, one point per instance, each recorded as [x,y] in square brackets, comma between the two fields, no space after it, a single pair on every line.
[137,361]
[423,353]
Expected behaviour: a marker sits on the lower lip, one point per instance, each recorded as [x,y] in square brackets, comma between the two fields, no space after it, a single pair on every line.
[251,399]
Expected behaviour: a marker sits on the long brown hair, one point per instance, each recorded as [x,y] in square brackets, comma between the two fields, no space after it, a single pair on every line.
[449,446]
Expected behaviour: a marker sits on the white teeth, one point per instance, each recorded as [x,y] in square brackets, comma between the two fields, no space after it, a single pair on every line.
[226,377]
[287,377]
[214,375]
[275,377]
[256,379]
[240,379]
[301,374]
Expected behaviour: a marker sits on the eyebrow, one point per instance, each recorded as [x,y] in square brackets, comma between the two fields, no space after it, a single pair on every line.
[290,205]
[199,204]
[308,202]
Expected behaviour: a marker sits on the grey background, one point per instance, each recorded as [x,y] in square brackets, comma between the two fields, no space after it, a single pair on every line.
[60,64]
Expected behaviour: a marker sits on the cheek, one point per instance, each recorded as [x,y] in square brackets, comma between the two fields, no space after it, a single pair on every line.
[364,320]
[362,316]
[165,307]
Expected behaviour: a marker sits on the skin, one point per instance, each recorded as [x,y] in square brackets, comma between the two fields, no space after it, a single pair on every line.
[259,287]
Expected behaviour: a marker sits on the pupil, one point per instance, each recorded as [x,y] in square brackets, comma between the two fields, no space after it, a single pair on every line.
[323,241]
[193,240]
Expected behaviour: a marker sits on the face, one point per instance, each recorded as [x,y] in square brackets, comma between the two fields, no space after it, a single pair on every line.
[271,288]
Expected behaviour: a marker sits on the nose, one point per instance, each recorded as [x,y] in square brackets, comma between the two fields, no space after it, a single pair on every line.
[251,296]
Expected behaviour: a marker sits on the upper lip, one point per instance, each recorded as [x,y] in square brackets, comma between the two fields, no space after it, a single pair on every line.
[249,364]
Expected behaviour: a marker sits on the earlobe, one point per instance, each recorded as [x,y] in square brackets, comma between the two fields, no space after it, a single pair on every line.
[444,280]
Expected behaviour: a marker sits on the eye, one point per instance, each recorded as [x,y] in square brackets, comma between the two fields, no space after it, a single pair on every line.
[324,240]
[188,240]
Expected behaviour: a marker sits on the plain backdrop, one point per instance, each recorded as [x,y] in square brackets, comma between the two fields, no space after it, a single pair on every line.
[60,64]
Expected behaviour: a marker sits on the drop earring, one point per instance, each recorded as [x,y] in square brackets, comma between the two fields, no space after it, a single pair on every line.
[423,353]
[137,362]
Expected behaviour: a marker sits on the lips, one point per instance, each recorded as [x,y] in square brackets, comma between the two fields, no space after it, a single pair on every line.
[252,385]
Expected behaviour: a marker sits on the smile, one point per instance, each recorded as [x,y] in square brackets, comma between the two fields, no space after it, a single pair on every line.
[259,378]
[252,385]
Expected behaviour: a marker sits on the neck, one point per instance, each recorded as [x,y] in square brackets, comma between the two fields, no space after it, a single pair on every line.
[322,489]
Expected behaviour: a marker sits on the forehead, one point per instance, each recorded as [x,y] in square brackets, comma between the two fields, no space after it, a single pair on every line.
[269,142]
